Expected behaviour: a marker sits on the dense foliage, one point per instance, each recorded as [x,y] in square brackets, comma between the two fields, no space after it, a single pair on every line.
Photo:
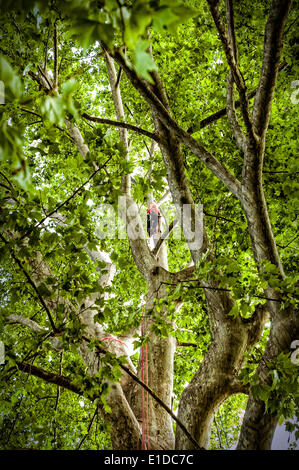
[42,170]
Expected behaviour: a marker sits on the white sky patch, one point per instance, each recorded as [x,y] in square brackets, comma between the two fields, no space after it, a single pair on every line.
[93,93]
[216,62]
[35,142]
[282,438]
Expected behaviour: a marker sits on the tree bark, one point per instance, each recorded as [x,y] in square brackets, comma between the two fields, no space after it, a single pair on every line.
[216,378]
[258,427]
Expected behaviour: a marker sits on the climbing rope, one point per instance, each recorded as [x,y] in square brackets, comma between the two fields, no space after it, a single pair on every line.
[114,339]
[145,427]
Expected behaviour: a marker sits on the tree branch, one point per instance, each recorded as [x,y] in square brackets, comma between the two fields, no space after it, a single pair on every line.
[13,318]
[119,111]
[144,260]
[270,66]
[55,82]
[237,76]
[54,340]
[49,377]
[164,236]
[66,383]
[123,125]
[231,111]
[223,289]
[186,345]
[232,115]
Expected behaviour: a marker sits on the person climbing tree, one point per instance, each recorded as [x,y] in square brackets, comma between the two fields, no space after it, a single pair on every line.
[153,222]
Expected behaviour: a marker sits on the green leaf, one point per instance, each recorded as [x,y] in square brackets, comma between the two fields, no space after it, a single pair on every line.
[170,15]
[68,89]
[88,31]
[139,18]
[11,82]
[143,62]
[234,312]
[53,109]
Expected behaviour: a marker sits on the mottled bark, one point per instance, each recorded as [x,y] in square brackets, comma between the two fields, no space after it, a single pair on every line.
[258,427]
[216,379]
[273,43]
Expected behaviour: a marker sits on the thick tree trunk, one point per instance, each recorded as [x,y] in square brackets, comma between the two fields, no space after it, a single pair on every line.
[256,212]
[213,383]
[258,427]
[155,368]
[160,375]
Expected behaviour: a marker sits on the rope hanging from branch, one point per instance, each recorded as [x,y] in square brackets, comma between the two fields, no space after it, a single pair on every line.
[144,365]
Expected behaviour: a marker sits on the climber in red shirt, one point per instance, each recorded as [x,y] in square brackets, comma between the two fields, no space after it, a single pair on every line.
[153,221]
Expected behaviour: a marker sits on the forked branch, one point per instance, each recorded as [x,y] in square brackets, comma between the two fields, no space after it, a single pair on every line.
[237,76]
[272,51]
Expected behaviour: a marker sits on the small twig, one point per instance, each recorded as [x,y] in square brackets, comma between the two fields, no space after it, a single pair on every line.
[118,77]
[186,345]
[218,217]
[6,179]
[215,288]
[89,427]
[4,186]
[285,246]
[55,83]
[30,112]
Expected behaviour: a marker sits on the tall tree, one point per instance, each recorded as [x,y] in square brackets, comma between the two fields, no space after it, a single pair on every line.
[108,105]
